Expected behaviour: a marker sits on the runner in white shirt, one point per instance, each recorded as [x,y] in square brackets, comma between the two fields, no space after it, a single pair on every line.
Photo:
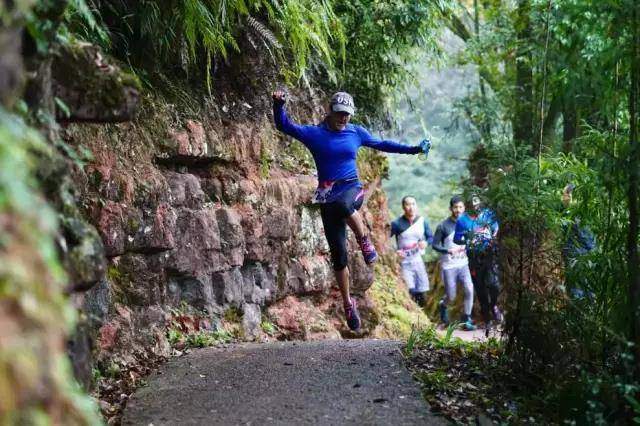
[412,233]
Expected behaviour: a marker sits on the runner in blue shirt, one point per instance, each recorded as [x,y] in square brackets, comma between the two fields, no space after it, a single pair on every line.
[479,233]
[334,145]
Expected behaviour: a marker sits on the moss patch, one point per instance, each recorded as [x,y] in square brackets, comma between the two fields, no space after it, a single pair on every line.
[395,310]
[36,383]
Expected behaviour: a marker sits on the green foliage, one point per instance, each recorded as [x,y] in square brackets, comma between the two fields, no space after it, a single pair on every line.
[194,34]
[422,337]
[312,28]
[187,329]
[84,20]
[233,315]
[268,327]
[544,319]
[304,38]
[96,375]
[436,379]
[395,311]
[577,55]
[462,380]
[419,337]
[384,38]
[197,338]
[296,157]
[203,339]
[113,370]
[266,158]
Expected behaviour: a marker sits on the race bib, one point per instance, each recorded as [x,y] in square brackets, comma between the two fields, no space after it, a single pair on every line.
[412,251]
[458,255]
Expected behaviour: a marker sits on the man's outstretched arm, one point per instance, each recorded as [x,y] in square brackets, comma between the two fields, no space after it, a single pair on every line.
[495,225]
[386,146]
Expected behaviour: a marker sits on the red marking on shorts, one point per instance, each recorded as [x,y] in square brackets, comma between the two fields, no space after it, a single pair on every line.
[326,183]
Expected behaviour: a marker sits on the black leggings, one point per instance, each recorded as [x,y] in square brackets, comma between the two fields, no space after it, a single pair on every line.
[484,272]
[334,217]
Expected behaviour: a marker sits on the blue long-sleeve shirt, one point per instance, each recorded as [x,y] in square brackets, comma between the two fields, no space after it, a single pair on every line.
[479,232]
[335,152]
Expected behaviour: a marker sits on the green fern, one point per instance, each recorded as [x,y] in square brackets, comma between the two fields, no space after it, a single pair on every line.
[148,33]
[87,21]
[264,32]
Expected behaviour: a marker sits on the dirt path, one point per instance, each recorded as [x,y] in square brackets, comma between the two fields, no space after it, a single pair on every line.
[470,336]
[327,383]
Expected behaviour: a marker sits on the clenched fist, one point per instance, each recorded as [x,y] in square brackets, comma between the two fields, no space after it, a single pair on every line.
[279,97]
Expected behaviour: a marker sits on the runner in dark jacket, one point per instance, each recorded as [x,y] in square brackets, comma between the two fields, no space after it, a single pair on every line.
[579,241]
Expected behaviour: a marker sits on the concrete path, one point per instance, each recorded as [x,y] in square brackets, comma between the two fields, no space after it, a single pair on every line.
[329,382]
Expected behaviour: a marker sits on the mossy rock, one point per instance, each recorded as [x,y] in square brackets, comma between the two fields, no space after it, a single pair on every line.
[396,314]
[36,382]
[90,88]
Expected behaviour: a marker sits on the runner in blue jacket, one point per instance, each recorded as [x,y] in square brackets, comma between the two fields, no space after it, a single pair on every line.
[480,233]
[334,145]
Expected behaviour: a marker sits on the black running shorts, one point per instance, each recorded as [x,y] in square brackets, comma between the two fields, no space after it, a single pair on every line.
[334,217]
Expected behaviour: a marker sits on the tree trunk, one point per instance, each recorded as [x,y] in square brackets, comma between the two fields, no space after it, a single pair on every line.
[485,126]
[633,260]
[569,124]
[523,95]
[551,120]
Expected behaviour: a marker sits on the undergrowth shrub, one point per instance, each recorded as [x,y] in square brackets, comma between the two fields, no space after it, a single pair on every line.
[576,346]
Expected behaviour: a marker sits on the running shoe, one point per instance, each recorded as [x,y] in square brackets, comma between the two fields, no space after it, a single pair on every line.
[497,314]
[467,323]
[444,315]
[353,317]
[418,298]
[368,250]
